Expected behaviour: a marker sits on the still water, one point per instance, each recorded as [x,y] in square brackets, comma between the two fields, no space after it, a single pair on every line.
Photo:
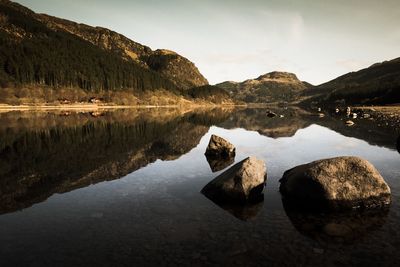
[122,188]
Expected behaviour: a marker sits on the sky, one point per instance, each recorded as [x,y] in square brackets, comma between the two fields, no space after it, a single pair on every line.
[234,40]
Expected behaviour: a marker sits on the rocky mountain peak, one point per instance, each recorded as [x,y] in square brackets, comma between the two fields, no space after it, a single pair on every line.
[165,52]
[270,87]
[279,76]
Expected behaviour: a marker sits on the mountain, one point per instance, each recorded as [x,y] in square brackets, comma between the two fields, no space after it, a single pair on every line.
[41,50]
[170,64]
[270,87]
[377,84]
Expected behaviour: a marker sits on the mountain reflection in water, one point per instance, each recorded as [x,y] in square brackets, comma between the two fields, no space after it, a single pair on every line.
[42,154]
[149,210]
[46,153]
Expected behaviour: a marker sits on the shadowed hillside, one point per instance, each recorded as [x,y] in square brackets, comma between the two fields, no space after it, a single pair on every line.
[378,84]
[52,54]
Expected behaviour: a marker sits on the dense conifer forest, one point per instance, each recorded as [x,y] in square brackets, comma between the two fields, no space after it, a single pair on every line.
[32,53]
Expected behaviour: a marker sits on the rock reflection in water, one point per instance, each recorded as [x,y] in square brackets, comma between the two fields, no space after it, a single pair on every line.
[346,227]
[156,216]
[243,211]
[218,164]
[43,153]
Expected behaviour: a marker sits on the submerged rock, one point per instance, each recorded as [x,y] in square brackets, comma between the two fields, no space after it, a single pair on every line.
[240,183]
[219,147]
[218,164]
[336,183]
[349,123]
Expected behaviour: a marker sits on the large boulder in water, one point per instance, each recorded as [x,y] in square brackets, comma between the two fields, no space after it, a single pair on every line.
[240,183]
[219,147]
[342,182]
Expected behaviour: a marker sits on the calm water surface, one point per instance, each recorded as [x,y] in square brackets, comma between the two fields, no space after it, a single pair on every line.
[122,189]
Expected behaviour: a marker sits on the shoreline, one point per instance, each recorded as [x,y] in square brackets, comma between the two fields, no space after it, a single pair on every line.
[383,115]
[388,116]
[94,107]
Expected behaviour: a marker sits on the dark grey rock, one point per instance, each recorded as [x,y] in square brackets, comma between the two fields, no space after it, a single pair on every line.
[219,147]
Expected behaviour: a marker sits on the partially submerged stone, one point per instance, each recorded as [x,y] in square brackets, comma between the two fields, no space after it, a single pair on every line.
[349,123]
[240,183]
[366,116]
[219,147]
[271,114]
[342,182]
[348,111]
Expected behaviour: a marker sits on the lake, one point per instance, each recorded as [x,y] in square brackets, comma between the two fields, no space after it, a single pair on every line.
[122,188]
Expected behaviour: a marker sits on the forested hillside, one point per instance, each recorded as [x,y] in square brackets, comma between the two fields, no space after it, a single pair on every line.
[32,53]
[43,58]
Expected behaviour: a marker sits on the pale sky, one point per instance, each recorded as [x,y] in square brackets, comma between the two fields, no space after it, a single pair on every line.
[237,40]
